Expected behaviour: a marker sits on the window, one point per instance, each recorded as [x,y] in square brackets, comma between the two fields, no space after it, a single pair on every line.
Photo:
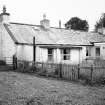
[88,51]
[50,54]
[98,51]
[65,54]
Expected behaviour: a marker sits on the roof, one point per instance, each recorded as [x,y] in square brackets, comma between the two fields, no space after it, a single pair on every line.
[24,33]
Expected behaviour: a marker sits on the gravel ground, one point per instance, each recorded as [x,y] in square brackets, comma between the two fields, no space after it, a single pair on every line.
[24,89]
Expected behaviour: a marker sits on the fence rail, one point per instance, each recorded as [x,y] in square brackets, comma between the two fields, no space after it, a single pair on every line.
[67,71]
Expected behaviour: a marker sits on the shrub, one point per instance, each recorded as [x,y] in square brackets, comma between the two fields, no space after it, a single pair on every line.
[2,62]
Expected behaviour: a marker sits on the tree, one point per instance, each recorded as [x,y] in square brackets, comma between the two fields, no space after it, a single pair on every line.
[77,24]
[100,23]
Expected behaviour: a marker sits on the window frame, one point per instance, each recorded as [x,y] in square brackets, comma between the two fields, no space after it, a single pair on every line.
[65,54]
[50,54]
[88,51]
[97,54]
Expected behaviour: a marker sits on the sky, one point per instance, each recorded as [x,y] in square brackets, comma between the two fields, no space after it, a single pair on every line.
[31,11]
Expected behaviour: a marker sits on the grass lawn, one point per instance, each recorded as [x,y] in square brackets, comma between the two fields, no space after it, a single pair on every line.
[24,89]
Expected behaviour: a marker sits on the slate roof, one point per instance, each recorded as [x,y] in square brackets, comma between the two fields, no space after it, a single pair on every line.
[24,33]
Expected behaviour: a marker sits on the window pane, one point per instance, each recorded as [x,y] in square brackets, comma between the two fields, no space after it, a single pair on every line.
[64,57]
[97,51]
[50,57]
[49,51]
[88,51]
[50,54]
[66,51]
[65,54]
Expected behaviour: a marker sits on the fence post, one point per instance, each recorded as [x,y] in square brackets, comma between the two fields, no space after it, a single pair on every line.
[42,66]
[78,71]
[72,73]
[60,70]
[14,62]
[91,73]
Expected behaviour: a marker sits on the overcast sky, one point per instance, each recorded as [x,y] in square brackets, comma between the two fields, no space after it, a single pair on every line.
[31,11]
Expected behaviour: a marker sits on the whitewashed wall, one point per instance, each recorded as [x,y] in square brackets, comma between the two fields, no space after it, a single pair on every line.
[24,52]
[7,46]
[83,53]
[57,55]
[93,51]
[102,49]
[75,56]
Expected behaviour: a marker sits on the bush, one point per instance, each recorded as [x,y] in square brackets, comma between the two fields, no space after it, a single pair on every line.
[2,62]
[100,80]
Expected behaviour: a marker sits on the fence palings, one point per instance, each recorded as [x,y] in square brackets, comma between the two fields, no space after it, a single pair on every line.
[69,72]
[72,72]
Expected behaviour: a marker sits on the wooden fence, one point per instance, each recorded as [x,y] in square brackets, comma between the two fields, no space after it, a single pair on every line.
[71,72]
[61,70]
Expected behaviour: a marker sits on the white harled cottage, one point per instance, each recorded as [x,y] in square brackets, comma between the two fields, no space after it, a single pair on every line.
[57,45]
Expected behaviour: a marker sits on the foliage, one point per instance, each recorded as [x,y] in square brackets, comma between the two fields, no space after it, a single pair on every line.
[100,23]
[2,62]
[77,24]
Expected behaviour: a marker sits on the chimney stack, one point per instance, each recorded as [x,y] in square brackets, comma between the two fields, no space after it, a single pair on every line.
[59,23]
[45,23]
[4,16]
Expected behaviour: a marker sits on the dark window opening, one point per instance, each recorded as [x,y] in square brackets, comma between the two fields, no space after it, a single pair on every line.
[50,54]
[65,54]
[88,51]
[97,51]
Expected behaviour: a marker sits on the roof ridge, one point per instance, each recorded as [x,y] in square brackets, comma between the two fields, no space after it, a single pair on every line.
[24,24]
[51,27]
[35,25]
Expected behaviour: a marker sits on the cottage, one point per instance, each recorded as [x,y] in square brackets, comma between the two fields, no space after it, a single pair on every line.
[57,45]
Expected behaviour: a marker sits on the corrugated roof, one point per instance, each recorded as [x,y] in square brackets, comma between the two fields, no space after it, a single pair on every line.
[24,33]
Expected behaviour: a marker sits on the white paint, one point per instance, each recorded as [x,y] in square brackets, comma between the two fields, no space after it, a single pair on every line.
[25,52]
[102,49]
[83,53]
[7,46]
[75,56]
[43,55]
[58,55]
[4,19]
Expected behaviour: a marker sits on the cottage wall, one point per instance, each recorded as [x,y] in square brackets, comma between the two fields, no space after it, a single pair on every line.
[102,49]
[75,56]
[93,51]
[7,45]
[83,53]
[57,56]
[24,52]
[41,54]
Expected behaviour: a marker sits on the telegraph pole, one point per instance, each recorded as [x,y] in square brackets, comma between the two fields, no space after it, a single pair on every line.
[34,50]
